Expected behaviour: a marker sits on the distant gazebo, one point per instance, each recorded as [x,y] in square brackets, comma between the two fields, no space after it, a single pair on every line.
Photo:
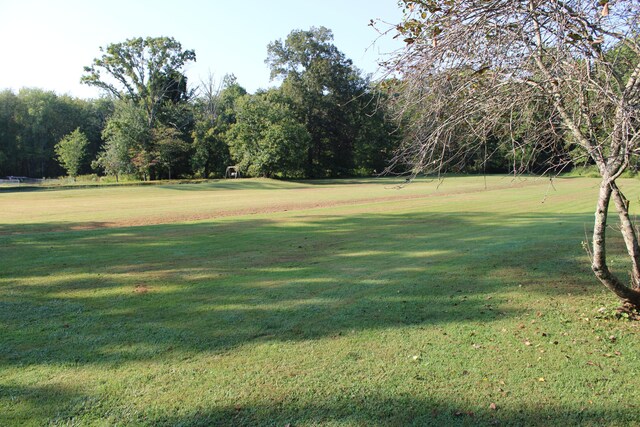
[232,172]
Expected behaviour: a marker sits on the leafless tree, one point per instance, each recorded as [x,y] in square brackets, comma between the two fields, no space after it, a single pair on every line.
[209,94]
[536,72]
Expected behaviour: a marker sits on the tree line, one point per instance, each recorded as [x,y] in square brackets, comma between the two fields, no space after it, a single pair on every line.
[324,120]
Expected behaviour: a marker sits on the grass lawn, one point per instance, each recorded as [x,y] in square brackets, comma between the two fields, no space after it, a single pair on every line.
[258,302]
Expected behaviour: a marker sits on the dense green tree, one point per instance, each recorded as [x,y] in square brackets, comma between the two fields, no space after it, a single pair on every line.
[128,141]
[378,135]
[215,113]
[151,124]
[147,71]
[169,146]
[33,121]
[266,139]
[148,74]
[113,159]
[324,88]
[39,120]
[71,151]
[94,119]
[8,133]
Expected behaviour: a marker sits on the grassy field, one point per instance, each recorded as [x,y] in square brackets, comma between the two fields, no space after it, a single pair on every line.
[258,302]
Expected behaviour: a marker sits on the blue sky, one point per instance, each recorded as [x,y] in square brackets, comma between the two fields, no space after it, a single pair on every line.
[46,43]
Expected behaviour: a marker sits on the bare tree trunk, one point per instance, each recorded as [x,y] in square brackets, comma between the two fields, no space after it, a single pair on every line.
[626,294]
[628,233]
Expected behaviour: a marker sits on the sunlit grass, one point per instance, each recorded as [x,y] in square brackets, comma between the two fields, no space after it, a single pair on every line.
[326,303]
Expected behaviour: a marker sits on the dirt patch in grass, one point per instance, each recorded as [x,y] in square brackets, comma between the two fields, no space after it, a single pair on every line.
[141,289]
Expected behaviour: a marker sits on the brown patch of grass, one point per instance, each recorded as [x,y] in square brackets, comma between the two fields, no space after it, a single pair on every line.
[141,289]
[254,207]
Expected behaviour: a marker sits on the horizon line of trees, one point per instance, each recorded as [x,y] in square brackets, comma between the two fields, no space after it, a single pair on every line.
[324,120]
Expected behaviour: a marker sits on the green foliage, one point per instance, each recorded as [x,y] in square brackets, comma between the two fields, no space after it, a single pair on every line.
[154,126]
[128,141]
[113,160]
[147,71]
[624,60]
[214,112]
[327,95]
[9,151]
[266,139]
[169,146]
[71,151]
[33,121]
[592,171]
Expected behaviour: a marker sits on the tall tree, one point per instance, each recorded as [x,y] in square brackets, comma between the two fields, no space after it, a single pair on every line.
[33,121]
[147,71]
[323,87]
[169,146]
[498,59]
[215,113]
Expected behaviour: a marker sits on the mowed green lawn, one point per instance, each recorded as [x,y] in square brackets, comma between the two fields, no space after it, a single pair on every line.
[258,302]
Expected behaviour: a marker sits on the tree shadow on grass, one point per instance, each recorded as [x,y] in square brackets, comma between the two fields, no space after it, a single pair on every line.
[60,406]
[210,185]
[239,184]
[401,411]
[115,295]
[14,229]
[40,405]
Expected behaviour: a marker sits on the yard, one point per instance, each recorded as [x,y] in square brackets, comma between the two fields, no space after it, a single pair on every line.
[346,302]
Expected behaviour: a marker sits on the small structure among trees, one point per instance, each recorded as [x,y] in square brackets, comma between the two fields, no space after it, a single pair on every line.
[232,172]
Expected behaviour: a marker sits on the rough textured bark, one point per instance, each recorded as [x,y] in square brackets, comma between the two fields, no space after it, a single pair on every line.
[628,233]
[627,295]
